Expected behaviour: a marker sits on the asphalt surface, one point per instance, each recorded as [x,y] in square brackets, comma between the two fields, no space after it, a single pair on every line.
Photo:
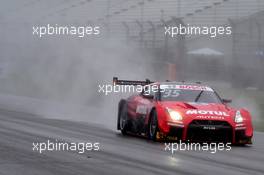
[117,154]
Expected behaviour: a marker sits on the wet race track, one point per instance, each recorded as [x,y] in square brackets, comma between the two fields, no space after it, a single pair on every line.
[117,154]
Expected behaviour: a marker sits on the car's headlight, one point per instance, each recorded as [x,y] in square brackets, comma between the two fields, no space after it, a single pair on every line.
[174,115]
[238,117]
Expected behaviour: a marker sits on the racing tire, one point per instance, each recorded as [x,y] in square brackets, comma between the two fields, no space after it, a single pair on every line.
[123,122]
[153,126]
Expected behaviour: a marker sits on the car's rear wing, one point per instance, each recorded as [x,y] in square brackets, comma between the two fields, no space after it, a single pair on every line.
[116,81]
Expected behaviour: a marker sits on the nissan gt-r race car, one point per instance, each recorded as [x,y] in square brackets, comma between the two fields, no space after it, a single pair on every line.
[182,111]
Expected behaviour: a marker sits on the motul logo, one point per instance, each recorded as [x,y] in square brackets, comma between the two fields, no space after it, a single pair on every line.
[205,112]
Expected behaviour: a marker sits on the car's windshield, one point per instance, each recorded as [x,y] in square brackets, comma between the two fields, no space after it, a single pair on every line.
[189,95]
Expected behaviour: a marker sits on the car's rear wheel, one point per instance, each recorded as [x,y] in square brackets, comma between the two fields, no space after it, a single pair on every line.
[123,123]
[153,126]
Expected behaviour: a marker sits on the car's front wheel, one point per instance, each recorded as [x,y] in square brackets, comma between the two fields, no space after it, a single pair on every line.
[153,126]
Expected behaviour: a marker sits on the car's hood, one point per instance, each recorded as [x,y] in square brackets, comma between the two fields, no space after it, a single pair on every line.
[201,110]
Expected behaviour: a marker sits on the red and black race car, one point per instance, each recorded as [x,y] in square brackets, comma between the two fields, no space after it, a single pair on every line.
[182,111]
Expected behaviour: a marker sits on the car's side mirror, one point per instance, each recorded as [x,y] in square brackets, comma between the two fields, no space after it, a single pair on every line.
[148,96]
[226,101]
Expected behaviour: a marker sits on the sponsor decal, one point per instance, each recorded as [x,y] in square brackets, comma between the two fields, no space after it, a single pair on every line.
[207,112]
[141,109]
[209,128]
[187,87]
[211,117]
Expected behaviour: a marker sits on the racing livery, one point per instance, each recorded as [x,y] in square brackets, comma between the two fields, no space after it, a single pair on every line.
[182,111]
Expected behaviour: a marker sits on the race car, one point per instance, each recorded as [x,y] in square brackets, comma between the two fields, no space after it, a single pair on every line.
[182,111]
